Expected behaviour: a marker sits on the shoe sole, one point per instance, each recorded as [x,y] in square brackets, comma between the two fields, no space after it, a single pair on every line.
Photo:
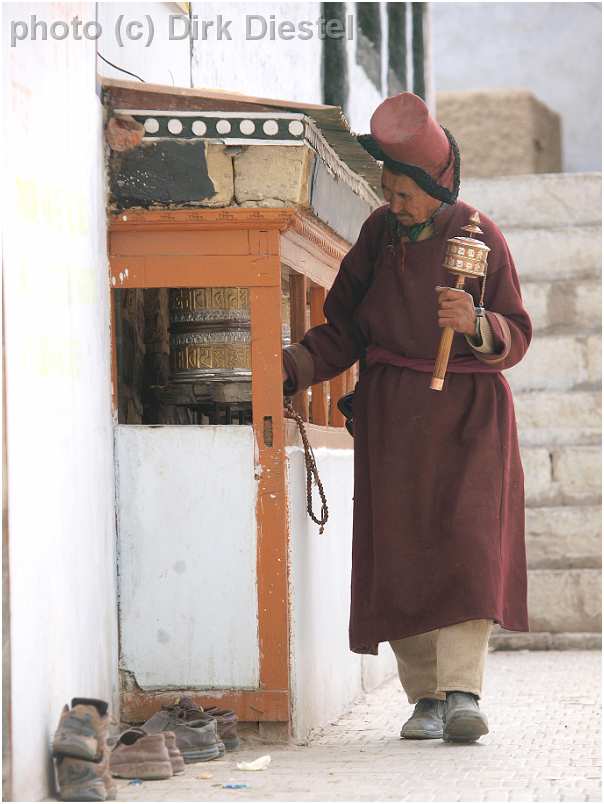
[422,735]
[464,729]
[204,755]
[142,770]
[83,793]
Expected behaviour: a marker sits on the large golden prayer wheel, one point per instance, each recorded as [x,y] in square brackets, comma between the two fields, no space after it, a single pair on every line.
[210,337]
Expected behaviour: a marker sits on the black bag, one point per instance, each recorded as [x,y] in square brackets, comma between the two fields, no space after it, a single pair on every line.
[345,407]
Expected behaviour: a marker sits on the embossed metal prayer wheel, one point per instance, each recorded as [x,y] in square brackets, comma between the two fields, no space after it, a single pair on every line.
[465,256]
[210,338]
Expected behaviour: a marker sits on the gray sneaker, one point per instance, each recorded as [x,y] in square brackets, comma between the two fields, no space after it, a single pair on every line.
[464,722]
[197,740]
[426,722]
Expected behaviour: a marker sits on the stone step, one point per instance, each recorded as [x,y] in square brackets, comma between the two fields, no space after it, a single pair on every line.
[559,418]
[538,200]
[565,475]
[569,252]
[559,362]
[564,304]
[544,640]
[564,537]
[565,600]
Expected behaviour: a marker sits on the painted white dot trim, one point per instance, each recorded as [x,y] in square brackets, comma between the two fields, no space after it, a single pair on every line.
[199,128]
[223,127]
[151,125]
[174,126]
[247,127]
[270,127]
[296,127]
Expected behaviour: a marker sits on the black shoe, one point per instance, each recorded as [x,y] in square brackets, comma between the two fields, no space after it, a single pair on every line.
[426,722]
[464,722]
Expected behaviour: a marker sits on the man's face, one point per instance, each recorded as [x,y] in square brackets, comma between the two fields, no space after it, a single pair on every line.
[408,202]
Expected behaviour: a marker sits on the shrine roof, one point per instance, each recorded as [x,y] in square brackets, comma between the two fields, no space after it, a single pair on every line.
[330,121]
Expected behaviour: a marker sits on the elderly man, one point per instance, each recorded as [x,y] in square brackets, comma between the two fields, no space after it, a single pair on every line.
[438,549]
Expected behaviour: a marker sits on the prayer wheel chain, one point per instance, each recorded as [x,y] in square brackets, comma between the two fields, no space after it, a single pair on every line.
[312,473]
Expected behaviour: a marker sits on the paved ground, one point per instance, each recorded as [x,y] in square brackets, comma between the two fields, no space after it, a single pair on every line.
[544,745]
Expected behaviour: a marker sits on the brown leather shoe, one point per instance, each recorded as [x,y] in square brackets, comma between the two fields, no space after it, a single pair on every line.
[138,755]
[178,763]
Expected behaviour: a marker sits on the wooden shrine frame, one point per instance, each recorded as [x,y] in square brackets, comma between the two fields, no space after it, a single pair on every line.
[188,248]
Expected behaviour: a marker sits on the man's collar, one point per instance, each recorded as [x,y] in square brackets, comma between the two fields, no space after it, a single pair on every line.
[414,233]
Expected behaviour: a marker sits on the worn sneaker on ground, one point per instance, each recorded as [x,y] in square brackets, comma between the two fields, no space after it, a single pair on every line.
[426,722]
[186,709]
[138,755]
[176,758]
[81,780]
[227,726]
[197,739]
[464,722]
[82,730]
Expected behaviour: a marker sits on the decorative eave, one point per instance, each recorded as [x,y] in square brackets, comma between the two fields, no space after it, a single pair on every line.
[249,128]
[301,222]
[170,147]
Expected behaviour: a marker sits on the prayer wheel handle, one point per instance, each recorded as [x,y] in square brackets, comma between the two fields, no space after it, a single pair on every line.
[465,256]
[444,350]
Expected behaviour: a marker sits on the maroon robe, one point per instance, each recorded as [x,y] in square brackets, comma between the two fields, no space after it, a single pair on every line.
[438,524]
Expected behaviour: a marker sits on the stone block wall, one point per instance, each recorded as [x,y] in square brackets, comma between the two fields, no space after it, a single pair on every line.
[502,132]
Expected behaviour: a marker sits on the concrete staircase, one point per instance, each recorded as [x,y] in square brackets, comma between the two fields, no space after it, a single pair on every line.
[552,223]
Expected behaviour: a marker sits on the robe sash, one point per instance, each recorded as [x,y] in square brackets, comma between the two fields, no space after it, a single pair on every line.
[459,364]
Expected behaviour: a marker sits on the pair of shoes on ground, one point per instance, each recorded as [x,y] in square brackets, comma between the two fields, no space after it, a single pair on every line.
[185,710]
[201,735]
[458,719]
[81,753]
[138,755]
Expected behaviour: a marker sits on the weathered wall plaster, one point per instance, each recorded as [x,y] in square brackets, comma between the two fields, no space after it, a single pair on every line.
[58,391]
[326,676]
[187,555]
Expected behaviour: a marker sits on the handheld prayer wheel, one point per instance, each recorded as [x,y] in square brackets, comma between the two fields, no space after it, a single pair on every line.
[465,256]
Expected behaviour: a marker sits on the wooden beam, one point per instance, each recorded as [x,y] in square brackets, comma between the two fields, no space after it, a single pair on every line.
[249,705]
[218,219]
[272,540]
[337,388]
[297,309]
[190,271]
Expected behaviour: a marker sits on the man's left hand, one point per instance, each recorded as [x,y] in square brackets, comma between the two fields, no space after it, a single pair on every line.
[456,309]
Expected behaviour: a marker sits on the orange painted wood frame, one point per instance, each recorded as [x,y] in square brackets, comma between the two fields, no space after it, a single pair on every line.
[241,248]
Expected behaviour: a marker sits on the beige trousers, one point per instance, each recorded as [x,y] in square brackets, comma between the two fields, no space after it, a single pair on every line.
[450,658]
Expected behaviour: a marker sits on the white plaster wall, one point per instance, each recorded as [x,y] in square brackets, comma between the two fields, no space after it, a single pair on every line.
[187,556]
[163,61]
[267,68]
[363,96]
[552,49]
[58,393]
[326,676]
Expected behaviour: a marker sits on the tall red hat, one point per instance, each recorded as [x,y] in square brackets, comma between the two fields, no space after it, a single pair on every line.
[407,139]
